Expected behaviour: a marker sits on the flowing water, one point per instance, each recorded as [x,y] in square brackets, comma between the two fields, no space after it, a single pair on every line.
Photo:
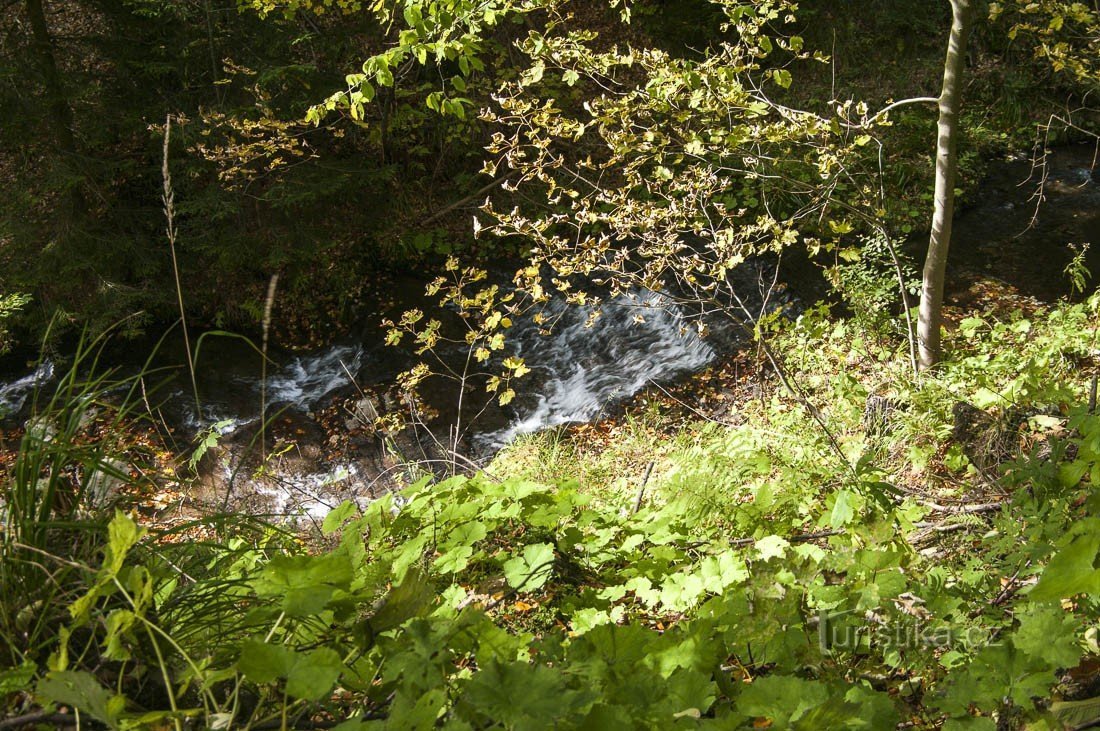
[15,394]
[578,370]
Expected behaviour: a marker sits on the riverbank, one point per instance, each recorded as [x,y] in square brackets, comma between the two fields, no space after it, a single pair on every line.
[603,397]
[727,549]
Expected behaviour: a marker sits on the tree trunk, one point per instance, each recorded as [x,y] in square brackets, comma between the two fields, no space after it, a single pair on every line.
[935,264]
[57,104]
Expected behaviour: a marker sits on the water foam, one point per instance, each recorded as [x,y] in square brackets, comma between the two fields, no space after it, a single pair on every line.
[306,380]
[581,367]
[13,396]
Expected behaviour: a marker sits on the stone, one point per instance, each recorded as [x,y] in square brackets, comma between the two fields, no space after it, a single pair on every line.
[363,415]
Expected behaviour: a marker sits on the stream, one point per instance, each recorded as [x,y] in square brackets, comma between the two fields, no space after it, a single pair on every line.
[321,404]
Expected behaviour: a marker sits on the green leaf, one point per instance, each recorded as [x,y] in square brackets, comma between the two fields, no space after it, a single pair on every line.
[1077,714]
[532,569]
[409,599]
[970,325]
[123,533]
[467,534]
[82,691]
[208,441]
[997,672]
[604,717]
[338,516]
[843,509]
[1070,473]
[533,75]
[871,709]
[314,674]
[782,699]
[772,547]
[304,583]
[454,560]
[413,711]
[722,571]
[119,622]
[263,662]
[523,696]
[1073,570]
[984,398]
[587,619]
[13,680]
[690,692]
[1049,634]
[683,590]
[309,675]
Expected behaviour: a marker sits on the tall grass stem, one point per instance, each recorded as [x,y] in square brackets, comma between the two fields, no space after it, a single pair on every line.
[169,198]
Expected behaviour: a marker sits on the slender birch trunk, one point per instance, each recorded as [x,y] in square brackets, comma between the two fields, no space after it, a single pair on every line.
[931,301]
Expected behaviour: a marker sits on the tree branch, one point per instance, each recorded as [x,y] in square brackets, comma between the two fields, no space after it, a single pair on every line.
[903,102]
[29,719]
[476,194]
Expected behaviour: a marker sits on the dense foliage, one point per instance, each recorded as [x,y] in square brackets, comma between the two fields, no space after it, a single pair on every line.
[859,545]
[760,583]
[329,142]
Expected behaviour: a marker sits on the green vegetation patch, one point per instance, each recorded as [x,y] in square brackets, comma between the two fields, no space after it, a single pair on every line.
[764,582]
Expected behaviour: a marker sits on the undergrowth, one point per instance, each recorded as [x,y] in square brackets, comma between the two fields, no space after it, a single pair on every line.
[935,569]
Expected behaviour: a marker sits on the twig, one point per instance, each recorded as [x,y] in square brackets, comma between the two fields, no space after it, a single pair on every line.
[476,194]
[800,538]
[304,725]
[795,390]
[689,407]
[963,509]
[1092,396]
[47,554]
[28,719]
[929,528]
[788,382]
[641,488]
[1010,588]
[67,719]
[900,103]
[351,378]
[909,329]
